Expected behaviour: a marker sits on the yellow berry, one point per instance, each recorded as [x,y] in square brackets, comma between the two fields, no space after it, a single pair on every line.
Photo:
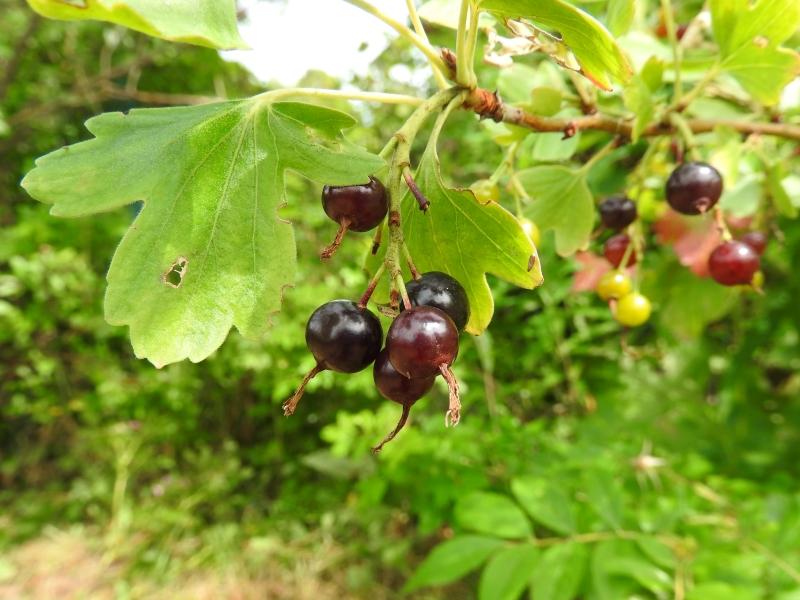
[614,284]
[485,191]
[633,310]
[758,280]
[531,230]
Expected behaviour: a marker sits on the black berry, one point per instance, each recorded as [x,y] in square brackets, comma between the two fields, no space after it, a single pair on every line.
[615,248]
[355,208]
[443,292]
[757,240]
[693,188]
[617,212]
[343,337]
[422,341]
[733,263]
[397,388]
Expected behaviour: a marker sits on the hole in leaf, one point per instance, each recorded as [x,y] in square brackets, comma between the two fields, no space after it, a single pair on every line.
[173,277]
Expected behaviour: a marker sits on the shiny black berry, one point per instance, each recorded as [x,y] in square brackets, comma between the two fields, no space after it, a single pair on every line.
[422,341]
[397,388]
[443,292]
[617,212]
[355,208]
[343,337]
[693,188]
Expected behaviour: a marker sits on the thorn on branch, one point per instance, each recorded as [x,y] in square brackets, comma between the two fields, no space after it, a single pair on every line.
[486,104]
[570,130]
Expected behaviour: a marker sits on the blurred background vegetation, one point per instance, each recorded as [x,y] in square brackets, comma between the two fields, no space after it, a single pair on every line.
[655,464]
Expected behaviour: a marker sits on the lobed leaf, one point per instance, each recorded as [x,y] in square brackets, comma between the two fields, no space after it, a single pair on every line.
[209,23]
[208,251]
[453,559]
[466,239]
[561,202]
[749,35]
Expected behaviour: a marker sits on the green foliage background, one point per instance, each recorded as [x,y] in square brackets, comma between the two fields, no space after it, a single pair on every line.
[588,461]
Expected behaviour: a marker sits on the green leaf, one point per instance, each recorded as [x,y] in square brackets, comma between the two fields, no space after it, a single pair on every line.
[658,552]
[695,302]
[605,586]
[445,14]
[508,573]
[561,202]
[466,239]
[486,512]
[638,99]
[545,101]
[742,199]
[750,35]
[209,23]
[545,503]
[208,250]
[452,560]
[620,15]
[643,572]
[551,147]
[595,49]
[560,572]
[778,193]
[514,84]
[604,497]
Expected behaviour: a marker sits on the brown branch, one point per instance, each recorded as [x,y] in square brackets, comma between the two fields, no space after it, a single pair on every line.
[489,106]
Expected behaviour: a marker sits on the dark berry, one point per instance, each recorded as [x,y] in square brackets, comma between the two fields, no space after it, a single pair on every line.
[343,337]
[757,240]
[693,188]
[733,263]
[397,387]
[443,292]
[420,340]
[617,212]
[355,208]
[615,249]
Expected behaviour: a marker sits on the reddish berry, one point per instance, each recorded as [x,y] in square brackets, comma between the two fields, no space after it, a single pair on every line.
[757,240]
[733,263]
[615,249]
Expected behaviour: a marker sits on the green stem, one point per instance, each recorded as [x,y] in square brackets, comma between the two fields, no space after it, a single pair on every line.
[413,16]
[598,156]
[686,133]
[462,61]
[416,40]
[472,41]
[356,95]
[677,52]
[686,100]
[404,138]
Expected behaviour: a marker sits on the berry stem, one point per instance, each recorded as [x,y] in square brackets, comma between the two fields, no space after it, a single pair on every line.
[291,404]
[419,29]
[329,250]
[376,240]
[423,202]
[722,226]
[401,287]
[400,424]
[373,283]
[677,50]
[453,415]
[432,55]
[411,266]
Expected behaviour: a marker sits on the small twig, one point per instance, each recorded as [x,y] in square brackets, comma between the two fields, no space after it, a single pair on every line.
[373,283]
[400,424]
[376,240]
[411,266]
[328,251]
[291,404]
[423,202]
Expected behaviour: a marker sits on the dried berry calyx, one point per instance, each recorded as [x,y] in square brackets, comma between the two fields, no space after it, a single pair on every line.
[355,208]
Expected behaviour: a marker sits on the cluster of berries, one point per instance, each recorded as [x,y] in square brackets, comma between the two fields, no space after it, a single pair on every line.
[694,188]
[629,306]
[422,341]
